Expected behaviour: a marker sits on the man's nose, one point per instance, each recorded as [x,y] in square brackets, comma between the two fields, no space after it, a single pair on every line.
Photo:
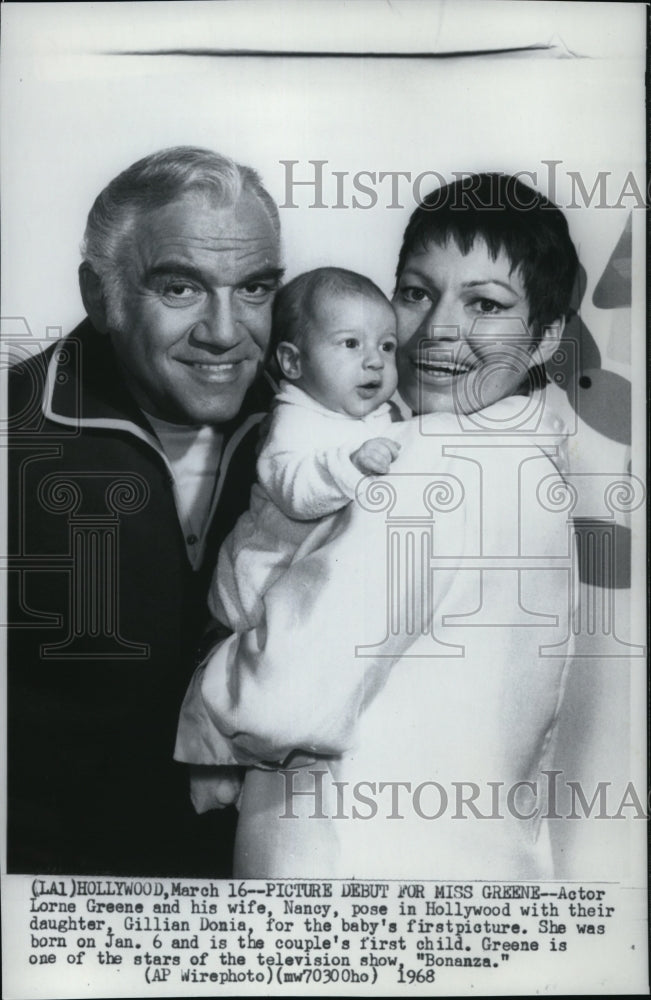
[217,327]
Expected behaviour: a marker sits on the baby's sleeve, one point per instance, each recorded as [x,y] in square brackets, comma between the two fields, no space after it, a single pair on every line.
[309,486]
[305,481]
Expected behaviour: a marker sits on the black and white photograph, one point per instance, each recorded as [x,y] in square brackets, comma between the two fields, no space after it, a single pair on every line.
[291,712]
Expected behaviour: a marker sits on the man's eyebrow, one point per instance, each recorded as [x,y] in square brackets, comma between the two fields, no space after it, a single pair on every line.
[264,274]
[489,281]
[175,267]
[166,268]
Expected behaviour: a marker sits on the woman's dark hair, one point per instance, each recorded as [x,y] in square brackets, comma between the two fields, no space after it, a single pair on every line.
[508,215]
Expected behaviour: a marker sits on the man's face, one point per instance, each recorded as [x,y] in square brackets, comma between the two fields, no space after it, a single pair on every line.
[198,286]
[463,334]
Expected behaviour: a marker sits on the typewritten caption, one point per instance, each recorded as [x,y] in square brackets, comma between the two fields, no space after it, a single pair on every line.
[186,937]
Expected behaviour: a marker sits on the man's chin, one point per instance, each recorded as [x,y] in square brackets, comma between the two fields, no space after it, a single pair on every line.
[199,411]
[210,416]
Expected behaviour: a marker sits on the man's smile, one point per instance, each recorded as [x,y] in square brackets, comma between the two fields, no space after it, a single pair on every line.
[215,371]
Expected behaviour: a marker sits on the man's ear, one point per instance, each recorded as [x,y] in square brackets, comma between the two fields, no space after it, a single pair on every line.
[289,360]
[92,296]
[550,340]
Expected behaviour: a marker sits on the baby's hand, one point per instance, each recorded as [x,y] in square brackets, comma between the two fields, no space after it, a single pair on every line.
[375,456]
[214,787]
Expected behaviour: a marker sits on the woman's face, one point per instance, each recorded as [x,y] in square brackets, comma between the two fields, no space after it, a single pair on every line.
[463,333]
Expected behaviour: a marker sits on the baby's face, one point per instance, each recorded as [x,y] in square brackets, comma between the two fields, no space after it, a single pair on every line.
[348,358]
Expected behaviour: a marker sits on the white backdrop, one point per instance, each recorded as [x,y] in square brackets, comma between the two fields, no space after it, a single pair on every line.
[76,115]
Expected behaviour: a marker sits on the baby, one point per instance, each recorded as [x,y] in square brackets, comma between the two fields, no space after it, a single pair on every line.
[334,338]
[334,342]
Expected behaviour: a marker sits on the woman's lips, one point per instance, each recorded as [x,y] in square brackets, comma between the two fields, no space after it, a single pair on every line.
[439,370]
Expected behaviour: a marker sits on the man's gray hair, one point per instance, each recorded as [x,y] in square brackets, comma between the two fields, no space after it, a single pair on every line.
[154,181]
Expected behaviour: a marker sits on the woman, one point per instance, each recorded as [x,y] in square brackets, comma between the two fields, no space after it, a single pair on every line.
[398,706]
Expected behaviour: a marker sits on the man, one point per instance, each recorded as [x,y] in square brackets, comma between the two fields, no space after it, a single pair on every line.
[132,454]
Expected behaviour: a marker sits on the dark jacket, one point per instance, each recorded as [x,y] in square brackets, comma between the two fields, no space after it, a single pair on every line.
[106,614]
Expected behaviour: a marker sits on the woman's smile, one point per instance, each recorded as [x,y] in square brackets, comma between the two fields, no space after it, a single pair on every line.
[437,365]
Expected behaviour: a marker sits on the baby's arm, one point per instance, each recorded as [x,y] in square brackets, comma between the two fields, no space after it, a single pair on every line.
[309,486]
[307,480]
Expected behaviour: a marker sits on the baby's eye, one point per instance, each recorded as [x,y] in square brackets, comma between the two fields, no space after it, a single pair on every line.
[351,342]
[388,346]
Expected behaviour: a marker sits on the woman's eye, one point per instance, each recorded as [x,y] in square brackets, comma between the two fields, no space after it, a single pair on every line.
[411,293]
[488,306]
[351,342]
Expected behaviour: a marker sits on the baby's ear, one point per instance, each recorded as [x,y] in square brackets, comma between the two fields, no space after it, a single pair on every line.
[550,340]
[288,357]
